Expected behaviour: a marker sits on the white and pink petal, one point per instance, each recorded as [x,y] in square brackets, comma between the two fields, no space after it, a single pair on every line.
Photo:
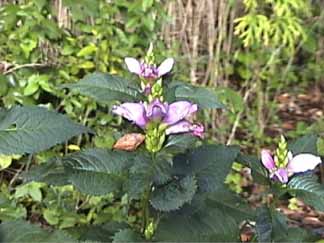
[134,112]
[303,162]
[133,65]
[178,111]
[267,159]
[165,66]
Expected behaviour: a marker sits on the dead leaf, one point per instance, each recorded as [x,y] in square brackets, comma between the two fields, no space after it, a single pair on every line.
[129,142]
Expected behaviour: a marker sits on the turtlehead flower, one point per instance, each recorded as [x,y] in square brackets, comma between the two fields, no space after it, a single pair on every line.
[173,116]
[296,164]
[149,71]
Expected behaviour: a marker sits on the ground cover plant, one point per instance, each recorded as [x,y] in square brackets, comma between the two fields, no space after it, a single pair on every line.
[160,166]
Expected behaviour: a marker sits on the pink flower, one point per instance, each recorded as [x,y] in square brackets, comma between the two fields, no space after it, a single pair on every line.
[174,115]
[148,71]
[296,164]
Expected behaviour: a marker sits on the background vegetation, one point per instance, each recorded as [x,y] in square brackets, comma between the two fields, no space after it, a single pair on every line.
[263,58]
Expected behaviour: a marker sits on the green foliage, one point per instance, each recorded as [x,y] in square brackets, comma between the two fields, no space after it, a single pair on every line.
[258,171]
[106,88]
[174,195]
[127,235]
[216,218]
[32,189]
[204,97]
[5,161]
[307,188]
[179,143]
[51,172]
[305,144]
[282,28]
[21,231]
[93,171]
[32,129]
[10,209]
[271,226]
[210,164]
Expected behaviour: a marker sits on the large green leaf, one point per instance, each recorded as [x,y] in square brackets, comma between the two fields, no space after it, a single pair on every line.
[271,226]
[96,233]
[209,163]
[179,143]
[307,188]
[146,170]
[173,195]
[204,97]
[305,144]
[22,231]
[105,88]
[127,235]
[32,129]
[259,173]
[216,219]
[96,171]
[51,172]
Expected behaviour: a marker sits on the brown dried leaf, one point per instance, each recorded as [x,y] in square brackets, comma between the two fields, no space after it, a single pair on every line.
[129,142]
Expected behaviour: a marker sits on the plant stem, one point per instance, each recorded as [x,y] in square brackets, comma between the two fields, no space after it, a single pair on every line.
[145,202]
[146,213]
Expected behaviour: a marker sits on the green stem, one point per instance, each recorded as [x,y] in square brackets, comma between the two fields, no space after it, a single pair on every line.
[145,203]
[146,213]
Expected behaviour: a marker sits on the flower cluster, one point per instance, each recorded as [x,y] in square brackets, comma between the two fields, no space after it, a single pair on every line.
[172,117]
[149,71]
[156,117]
[284,164]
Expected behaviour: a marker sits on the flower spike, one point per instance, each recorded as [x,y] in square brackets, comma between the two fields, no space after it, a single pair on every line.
[284,164]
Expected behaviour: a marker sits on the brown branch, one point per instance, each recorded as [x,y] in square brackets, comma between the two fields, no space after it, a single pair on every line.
[27,65]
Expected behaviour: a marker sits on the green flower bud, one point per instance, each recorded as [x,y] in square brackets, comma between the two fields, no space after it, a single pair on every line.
[150,58]
[149,231]
[155,137]
[281,155]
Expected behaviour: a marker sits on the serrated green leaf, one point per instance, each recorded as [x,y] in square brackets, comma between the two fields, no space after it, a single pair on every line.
[95,183]
[98,160]
[179,143]
[96,171]
[51,172]
[97,233]
[271,226]
[105,88]
[127,235]
[144,171]
[259,173]
[307,188]
[136,184]
[32,129]
[204,97]
[174,195]
[305,144]
[209,163]
[22,231]
[216,219]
